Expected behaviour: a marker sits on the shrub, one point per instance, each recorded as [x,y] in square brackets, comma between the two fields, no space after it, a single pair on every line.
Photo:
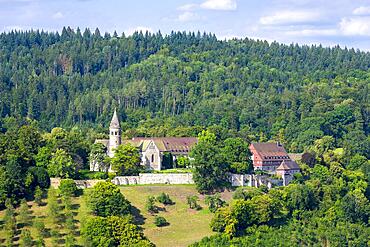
[25,239]
[41,231]
[106,199]
[214,202]
[150,205]
[193,202]
[164,199]
[68,187]
[182,162]
[38,195]
[24,212]
[160,221]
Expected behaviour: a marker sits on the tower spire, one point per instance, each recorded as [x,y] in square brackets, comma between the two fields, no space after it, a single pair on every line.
[115,122]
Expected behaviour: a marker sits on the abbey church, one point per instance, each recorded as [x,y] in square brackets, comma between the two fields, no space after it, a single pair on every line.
[151,149]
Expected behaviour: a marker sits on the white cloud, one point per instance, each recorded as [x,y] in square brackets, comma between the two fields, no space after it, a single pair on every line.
[188,7]
[355,26]
[363,10]
[14,28]
[130,31]
[312,32]
[219,4]
[58,15]
[290,17]
[188,16]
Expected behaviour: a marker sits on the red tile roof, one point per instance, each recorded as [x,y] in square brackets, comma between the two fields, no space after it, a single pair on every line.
[267,150]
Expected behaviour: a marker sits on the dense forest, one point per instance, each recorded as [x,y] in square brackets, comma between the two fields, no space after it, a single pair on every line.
[181,83]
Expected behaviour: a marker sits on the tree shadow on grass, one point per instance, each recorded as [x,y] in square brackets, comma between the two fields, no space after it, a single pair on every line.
[138,217]
[75,206]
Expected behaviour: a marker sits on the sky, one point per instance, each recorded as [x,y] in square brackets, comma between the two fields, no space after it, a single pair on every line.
[326,22]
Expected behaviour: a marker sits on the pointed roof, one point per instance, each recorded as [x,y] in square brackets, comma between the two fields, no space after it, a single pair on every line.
[115,122]
[288,165]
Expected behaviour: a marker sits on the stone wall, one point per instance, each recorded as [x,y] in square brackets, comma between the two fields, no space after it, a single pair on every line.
[81,184]
[155,178]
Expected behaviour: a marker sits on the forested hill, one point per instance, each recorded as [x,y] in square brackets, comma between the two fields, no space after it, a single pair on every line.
[292,93]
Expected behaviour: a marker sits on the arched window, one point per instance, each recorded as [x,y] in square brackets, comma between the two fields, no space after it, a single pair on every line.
[152,157]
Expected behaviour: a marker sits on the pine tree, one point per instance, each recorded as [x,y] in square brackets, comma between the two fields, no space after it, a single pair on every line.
[53,207]
[40,231]
[25,239]
[9,223]
[24,213]
[38,195]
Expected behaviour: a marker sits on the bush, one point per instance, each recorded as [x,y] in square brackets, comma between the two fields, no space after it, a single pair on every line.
[106,199]
[68,187]
[193,202]
[182,162]
[150,206]
[160,221]
[214,202]
[164,199]
[38,195]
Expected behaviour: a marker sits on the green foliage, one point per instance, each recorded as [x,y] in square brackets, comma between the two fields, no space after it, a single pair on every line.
[105,199]
[53,208]
[126,160]
[214,202]
[246,193]
[12,184]
[40,177]
[98,155]
[182,162]
[210,166]
[237,154]
[358,162]
[167,161]
[87,174]
[38,195]
[55,236]
[24,216]
[160,221]
[61,165]
[68,187]
[114,231]
[10,225]
[164,199]
[25,239]
[192,201]
[41,231]
[150,205]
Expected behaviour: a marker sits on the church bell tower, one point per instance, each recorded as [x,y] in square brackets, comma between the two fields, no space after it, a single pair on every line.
[114,134]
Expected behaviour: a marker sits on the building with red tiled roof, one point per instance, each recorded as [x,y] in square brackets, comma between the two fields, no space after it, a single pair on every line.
[273,158]
[267,156]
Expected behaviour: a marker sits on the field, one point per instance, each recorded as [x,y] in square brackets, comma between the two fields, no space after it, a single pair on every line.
[185,225]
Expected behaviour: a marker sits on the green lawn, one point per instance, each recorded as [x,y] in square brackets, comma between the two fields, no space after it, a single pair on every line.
[185,225]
